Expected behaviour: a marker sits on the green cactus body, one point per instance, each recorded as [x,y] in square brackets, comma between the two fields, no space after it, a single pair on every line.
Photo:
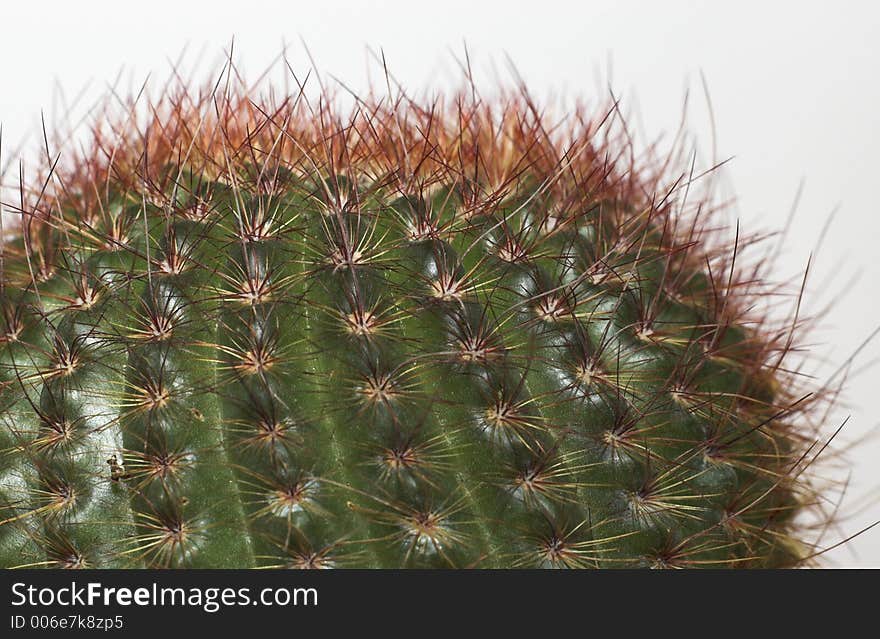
[435,348]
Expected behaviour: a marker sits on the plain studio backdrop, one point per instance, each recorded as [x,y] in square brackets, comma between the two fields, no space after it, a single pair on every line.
[792,85]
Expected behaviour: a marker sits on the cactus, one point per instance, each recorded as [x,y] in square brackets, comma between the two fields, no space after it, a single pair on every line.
[244,333]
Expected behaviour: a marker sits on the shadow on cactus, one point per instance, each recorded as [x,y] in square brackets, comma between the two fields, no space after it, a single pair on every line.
[258,332]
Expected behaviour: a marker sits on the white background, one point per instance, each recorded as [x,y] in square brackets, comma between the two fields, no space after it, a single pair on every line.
[794,88]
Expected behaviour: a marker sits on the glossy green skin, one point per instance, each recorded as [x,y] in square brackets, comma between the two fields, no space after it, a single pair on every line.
[186,449]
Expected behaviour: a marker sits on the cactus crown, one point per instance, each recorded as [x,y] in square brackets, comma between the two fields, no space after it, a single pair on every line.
[453,333]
